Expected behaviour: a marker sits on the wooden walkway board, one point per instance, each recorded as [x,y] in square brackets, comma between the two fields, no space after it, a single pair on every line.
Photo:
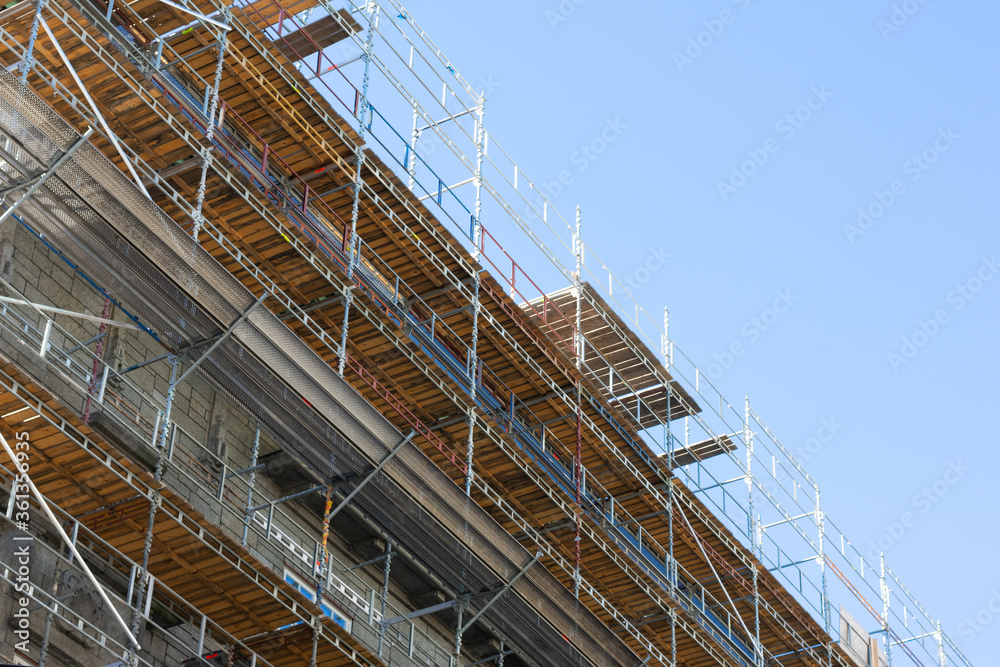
[700,451]
[266,13]
[321,33]
[616,369]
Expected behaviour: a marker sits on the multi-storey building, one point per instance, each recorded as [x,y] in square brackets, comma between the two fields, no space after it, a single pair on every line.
[277,394]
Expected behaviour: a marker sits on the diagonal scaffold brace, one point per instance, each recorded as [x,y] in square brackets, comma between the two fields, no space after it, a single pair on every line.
[37,181]
[65,538]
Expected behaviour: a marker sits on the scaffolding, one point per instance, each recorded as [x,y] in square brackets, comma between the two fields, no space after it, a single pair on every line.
[279,213]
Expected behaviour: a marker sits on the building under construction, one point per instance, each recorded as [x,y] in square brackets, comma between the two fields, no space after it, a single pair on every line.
[274,393]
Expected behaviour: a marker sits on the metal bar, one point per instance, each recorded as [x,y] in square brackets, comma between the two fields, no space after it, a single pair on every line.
[221,339]
[370,561]
[798,562]
[43,348]
[350,239]
[176,31]
[788,520]
[23,183]
[495,656]
[65,353]
[201,17]
[250,485]
[388,457]
[287,498]
[72,547]
[70,313]
[112,137]
[237,473]
[385,597]
[207,47]
[46,175]
[311,307]
[708,561]
[507,587]
[141,364]
[445,120]
[419,612]
[441,189]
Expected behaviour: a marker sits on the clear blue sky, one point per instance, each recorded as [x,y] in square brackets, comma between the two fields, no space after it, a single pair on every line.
[880,99]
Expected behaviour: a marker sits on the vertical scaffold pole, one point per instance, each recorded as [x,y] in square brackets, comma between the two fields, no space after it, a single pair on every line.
[884,590]
[44,650]
[247,513]
[165,422]
[668,450]
[98,354]
[457,652]
[315,642]
[210,112]
[352,244]
[473,360]
[411,164]
[821,525]
[942,658]
[154,505]
[385,596]
[324,559]
[29,51]
[578,467]
[751,530]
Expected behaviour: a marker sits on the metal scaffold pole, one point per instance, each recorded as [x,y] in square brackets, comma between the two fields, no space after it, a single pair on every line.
[144,587]
[411,165]
[44,650]
[473,361]
[353,243]
[825,602]
[29,51]
[884,591]
[472,364]
[758,650]
[112,137]
[669,452]
[578,464]
[251,482]
[324,557]
[212,103]
[385,595]
[939,636]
